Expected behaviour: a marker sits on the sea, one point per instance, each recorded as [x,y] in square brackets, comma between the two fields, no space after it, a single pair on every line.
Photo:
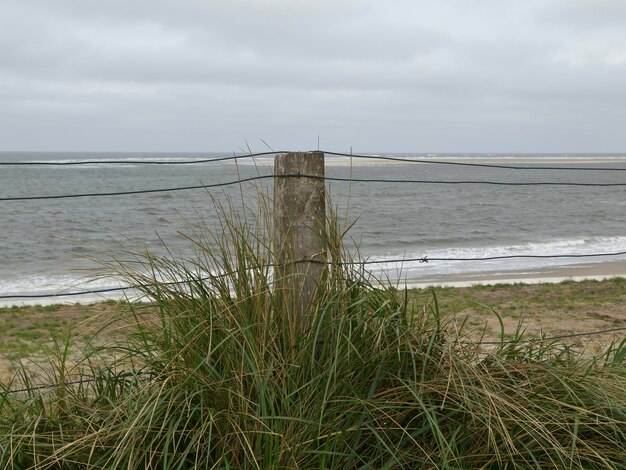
[62,244]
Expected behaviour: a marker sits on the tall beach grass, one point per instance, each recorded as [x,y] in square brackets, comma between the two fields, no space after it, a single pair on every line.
[213,373]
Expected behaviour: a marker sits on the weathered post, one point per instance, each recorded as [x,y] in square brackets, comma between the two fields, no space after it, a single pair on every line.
[300,211]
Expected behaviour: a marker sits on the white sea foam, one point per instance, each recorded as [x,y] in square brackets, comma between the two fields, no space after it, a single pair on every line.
[136,158]
[56,284]
[409,266]
[414,265]
[62,284]
[112,162]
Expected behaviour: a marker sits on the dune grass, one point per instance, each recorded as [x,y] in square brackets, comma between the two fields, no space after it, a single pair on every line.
[212,376]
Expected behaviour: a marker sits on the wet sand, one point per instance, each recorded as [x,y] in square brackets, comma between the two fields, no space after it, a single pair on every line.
[578,272]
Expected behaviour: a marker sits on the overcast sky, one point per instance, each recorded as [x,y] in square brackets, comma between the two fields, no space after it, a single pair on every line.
[385,75]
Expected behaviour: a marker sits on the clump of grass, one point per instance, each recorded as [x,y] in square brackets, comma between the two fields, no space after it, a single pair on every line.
[212,376]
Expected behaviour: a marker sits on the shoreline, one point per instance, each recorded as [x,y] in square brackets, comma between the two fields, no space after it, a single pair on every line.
[548,275]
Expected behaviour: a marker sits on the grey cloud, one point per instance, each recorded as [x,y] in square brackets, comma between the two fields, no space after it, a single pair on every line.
[398,75]
[584,15]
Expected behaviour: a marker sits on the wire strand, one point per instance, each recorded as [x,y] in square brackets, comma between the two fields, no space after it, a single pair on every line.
[424,259]
[427,259]
[142,191]
[298,175]
[548,338]
[138,162]
[497,183]
[327,152]
[480,165]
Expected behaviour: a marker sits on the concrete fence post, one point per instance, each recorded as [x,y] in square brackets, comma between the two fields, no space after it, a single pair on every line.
[300,211]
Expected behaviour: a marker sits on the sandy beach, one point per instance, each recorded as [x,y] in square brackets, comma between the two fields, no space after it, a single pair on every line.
[578,272]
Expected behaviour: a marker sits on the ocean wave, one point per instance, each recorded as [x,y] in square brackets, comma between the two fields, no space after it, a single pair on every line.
[113,161]
[416,263]
[57,284]
[410,265]
[135,158]
[53,284]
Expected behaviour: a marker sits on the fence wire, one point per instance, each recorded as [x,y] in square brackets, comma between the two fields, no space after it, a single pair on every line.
[300,175]
[326,152]
[468,164]
[423,259]
[141,191]
[138,162]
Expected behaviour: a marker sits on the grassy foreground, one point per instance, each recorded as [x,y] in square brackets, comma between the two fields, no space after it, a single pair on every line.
[212,376]
[27,332]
